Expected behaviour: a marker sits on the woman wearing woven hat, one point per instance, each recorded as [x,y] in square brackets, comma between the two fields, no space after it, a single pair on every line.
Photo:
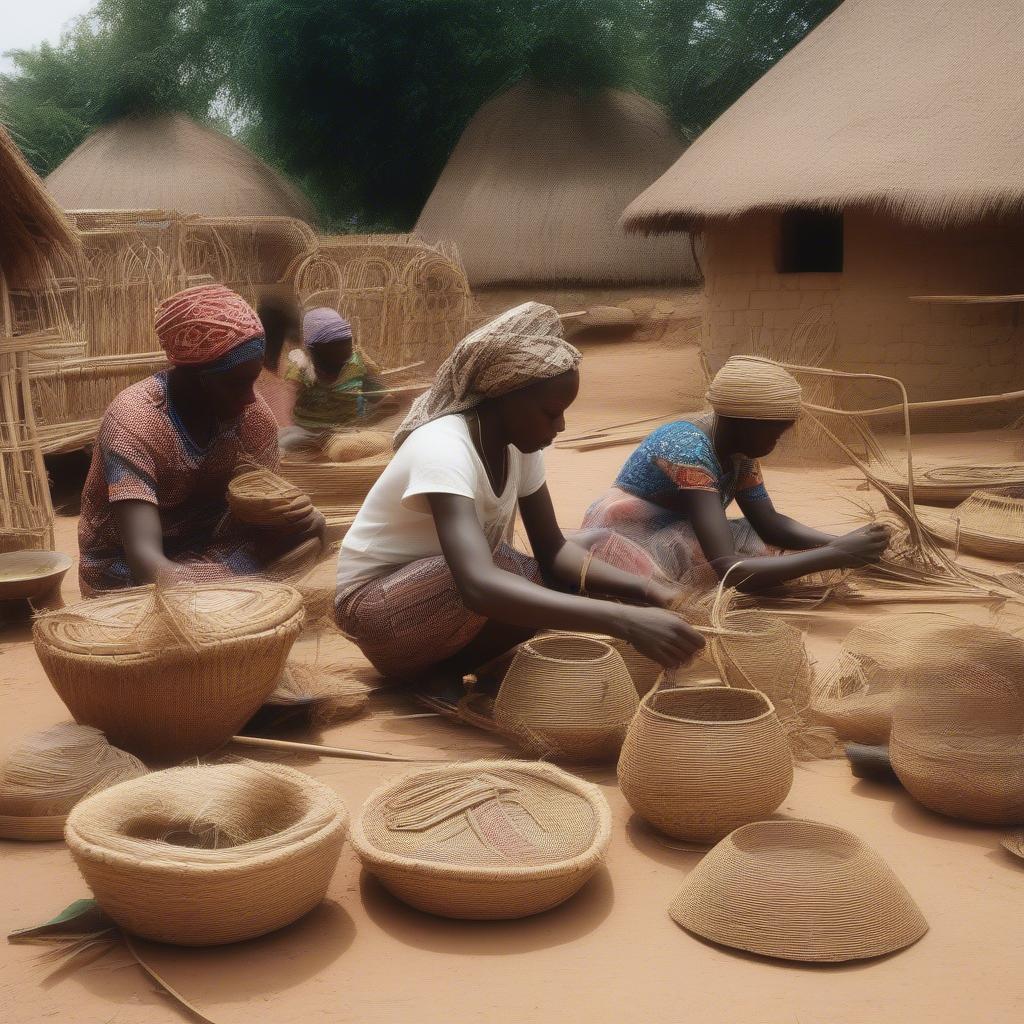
[671,496]
[427,578]
[154,504]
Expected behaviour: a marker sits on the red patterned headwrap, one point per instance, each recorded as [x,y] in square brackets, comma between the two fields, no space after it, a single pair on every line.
[201,324]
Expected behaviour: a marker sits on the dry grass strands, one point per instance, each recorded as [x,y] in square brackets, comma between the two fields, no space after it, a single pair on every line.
[260,497]
[698,762]
[487,840]
[170,673]
[210,854]
[50,771]
[798,890]
[316,695]
[567,696]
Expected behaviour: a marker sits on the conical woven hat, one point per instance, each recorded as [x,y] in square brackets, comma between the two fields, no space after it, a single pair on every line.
[798,890]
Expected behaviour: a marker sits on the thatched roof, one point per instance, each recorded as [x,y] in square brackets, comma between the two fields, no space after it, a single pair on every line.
[30,221]
[535,187]
[916,107]
[172,163]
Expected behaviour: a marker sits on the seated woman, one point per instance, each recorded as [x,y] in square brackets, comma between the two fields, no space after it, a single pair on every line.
[154,504]
[331,378]
[428,584]
[671,496]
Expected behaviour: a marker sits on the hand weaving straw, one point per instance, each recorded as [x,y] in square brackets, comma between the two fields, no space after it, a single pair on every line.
[700,761]
[211,854]
[259,497]
[798,890]
[487,840]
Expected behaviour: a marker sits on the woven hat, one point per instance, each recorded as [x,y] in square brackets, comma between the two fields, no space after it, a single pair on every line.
[199,325]
[209,854]
[697,762]
[567,696]
[25,575]
[798,890]
[486,840]
[749,388]
[48,772]
[260,497]
[170,673]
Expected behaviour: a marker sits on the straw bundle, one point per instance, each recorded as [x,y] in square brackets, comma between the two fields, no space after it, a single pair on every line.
[989,523]
[567,696]
[211,854]
[259,497]
[699,762]
[170,673]
[50,771]
[487,840]
[798,890]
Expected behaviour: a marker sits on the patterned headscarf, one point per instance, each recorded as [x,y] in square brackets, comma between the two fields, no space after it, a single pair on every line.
[518,348]
[750,388]
[321,325]
[200,325]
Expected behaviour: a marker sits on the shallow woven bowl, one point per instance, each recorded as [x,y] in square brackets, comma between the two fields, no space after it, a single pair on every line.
[26,575]
[262,498]
[494,839]
[358,444]
[567,696]
[143,848]
[157,697]
[700,761]
[798,890]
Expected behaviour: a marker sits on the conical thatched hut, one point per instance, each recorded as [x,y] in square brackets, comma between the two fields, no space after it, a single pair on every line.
[876,164]
[172,163]
[534,189]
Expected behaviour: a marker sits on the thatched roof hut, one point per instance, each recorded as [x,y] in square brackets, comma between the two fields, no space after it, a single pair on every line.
[172,163]
[535,187]
[914,108]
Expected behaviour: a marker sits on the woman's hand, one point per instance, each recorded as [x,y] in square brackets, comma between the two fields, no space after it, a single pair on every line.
[659,635]
[861,546]
[664,595]
[303,522]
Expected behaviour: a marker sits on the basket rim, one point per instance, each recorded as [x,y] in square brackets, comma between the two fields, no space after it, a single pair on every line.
[648,699]
[528,648]
[59,563]
[373,856]
[81,847]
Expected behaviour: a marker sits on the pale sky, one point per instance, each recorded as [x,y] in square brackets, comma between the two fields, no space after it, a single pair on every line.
[26,23]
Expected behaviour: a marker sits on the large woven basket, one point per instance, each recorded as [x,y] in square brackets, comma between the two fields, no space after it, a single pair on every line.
[641,669]
[567,696]
[798,890]
[48,772]
[354,463]
[485,840]
[700,761]
[174,673]
[262,498]
[210,854]
[989,523]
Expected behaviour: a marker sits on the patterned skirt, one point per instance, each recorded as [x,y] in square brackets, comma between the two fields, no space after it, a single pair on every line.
[414,618]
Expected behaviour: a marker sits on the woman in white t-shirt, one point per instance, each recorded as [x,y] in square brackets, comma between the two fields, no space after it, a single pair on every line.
[429,586]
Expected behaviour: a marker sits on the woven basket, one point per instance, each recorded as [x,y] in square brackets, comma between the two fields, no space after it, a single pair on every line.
[1014,843]
[700,761]
[333,485]
[262,498]
[356,445]
[50,771]
[27,575]
[174,673]
[567,696]
[642,670]
[205,855]
[486,840]
[798,890]
[989,523]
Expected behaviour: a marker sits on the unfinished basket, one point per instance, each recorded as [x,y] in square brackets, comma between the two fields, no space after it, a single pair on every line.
[951,485]
[209,854]
[486,840]
[567,696]
[172,673]
[50,771]
[798,890]
[700,761]
[259,497]
[989,523]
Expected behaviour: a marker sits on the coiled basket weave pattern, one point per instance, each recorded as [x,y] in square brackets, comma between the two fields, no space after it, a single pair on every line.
[567,696]
[173,673]
[210,854]
[798,890]
[697,762]
[262,498]
[485,840]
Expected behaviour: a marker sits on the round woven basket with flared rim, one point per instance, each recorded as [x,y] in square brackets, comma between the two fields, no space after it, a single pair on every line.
[25,575]
[798,890]
[209,854]
[50,771]
[357,445]
[642,670]
[567,696]
[485,840]
[698,762]
[260,497]
[173,673]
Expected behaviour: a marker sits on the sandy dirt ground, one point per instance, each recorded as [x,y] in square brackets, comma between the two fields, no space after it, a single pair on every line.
[610,955]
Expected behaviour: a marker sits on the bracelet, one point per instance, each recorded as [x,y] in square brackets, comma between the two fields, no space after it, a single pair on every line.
[585,568]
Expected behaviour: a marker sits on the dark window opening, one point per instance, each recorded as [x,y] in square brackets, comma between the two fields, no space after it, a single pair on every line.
[811,242]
